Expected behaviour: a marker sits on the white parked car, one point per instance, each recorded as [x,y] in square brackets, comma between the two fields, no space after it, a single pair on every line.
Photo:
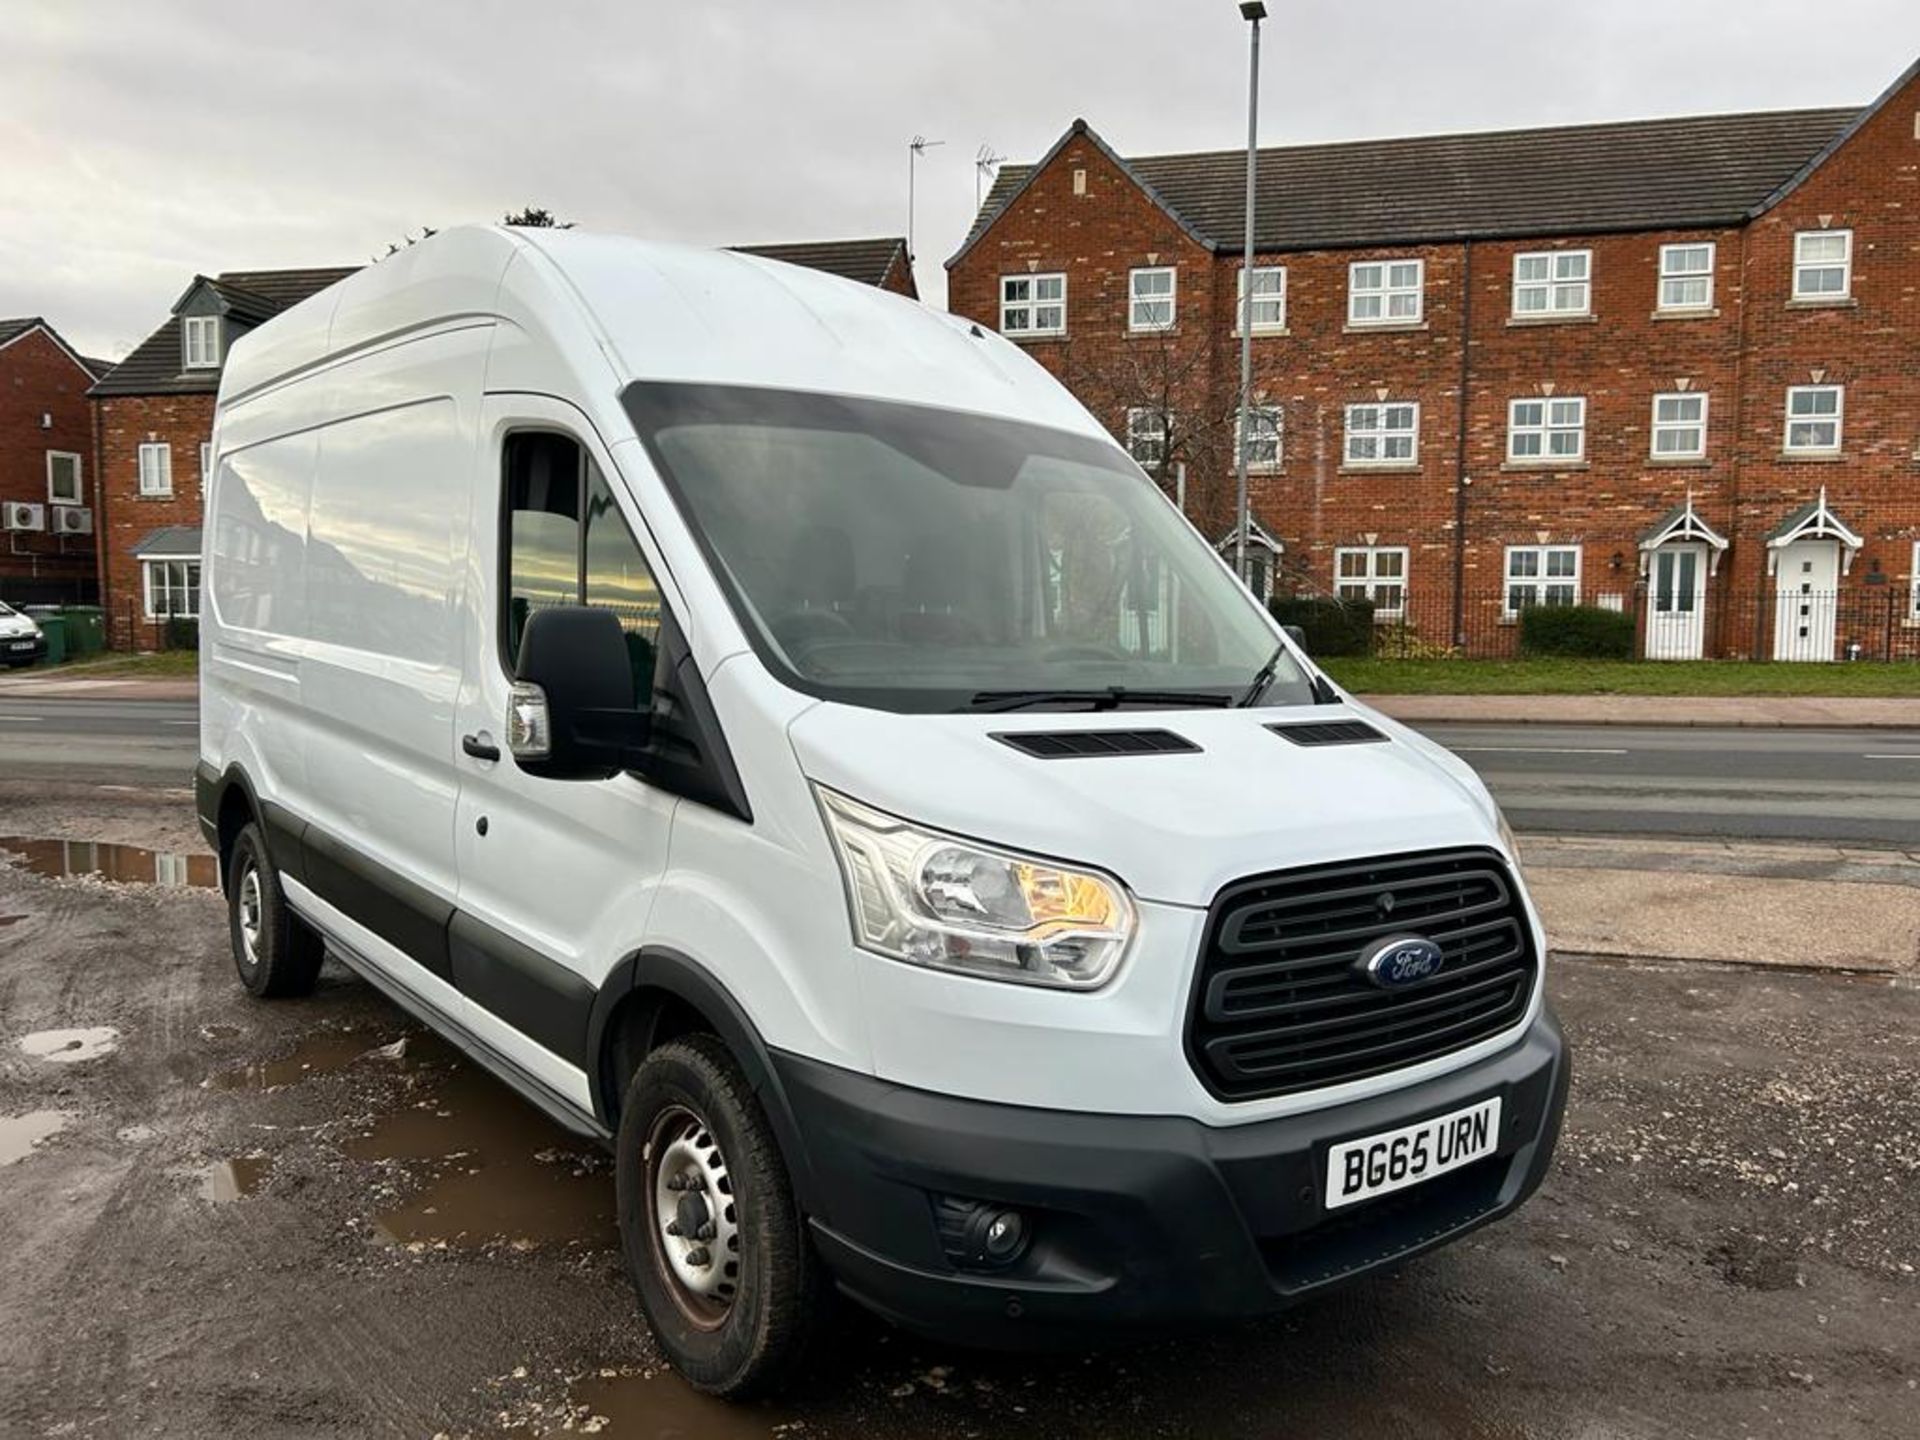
[775,729]
[21,639]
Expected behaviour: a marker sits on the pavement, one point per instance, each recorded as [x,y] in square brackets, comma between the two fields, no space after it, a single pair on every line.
[311,1219]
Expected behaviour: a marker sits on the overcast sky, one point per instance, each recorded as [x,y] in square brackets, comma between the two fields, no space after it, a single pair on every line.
[141,143]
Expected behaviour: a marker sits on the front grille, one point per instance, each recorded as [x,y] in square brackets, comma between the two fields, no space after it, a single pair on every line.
[1280,1004]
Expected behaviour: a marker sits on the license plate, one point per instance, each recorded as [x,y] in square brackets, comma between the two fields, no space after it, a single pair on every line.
[1379,1164]
[21,645]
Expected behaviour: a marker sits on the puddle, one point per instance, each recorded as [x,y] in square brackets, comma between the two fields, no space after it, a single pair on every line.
[651,1405]
[122,864]
[230,1180]
[501,1172]
[20,1134]
[68,1047]
[325,1052]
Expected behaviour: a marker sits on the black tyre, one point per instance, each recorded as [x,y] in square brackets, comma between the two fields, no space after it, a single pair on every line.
[275,952]
[713,1236]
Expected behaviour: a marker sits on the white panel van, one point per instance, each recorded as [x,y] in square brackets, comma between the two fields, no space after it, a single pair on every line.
[776,730]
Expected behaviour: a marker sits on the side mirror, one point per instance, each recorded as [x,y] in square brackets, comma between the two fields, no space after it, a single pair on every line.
[1297,635]
[571,713]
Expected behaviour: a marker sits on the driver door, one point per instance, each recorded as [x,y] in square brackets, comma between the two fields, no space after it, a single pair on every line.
[556,878]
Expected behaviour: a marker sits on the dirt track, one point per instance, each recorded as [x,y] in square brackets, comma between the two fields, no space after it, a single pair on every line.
[274,1220]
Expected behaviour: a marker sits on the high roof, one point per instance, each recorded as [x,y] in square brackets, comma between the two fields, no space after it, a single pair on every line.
[250,296]
[868,261]
[1576,179]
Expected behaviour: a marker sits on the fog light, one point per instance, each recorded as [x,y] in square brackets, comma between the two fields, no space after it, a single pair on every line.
[979,1235]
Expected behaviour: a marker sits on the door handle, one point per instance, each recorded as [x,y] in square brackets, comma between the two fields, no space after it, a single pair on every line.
[480,747]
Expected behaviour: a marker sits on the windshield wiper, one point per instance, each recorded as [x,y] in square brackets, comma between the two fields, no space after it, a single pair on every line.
[1111,698]
[1262,678]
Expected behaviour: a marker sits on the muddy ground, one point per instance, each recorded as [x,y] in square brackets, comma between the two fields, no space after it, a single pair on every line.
[221,1217]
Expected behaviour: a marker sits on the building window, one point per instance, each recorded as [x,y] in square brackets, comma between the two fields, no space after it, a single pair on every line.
[1542,575]
[1552,282]
[1823,264]
[1147,436]
[1913,584]
[64,485]
[1548,429]
[1261,439]
[1386,434]
[206,465]
[1150,298]
[1033,304]
[1686,277]
[1814,416]
[1680,426]
[201,337]
[156,469]
[172,588]
[1269,299]
[1374,572]
[1385,292]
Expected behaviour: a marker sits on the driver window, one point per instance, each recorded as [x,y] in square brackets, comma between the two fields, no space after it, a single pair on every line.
[567,544]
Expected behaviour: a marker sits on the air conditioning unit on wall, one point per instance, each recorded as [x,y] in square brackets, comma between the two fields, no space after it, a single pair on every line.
[20,515]
[72,520]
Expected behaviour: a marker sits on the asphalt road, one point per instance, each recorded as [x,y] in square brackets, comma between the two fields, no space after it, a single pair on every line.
[1846,786]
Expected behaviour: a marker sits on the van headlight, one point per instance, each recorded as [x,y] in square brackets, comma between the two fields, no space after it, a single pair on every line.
[951,904]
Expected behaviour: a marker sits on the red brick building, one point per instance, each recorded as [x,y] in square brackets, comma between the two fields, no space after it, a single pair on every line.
[882,263]
[1671,366]
[153,417]
[47,472]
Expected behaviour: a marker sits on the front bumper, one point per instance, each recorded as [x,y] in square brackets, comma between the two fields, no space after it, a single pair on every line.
[1138,1222]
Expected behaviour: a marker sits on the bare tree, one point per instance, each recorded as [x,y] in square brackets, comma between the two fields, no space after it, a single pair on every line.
[533,217]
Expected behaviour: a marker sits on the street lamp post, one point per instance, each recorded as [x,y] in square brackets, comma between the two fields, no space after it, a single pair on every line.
[1253,12]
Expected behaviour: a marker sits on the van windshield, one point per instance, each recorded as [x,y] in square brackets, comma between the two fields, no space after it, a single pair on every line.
[910,558]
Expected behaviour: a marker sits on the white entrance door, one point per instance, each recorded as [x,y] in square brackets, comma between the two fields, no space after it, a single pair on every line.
[1806,595]
[1677,619]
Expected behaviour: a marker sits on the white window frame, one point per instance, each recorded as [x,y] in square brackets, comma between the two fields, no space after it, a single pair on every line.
[1545,429]
[1541,580]
[79,495]
[1275,419]
[206,465]
[156,479]
[187,586]
[1913,585]
[1387,291]
[1554,286]
[1276,296]
[1146,427]
[1697,450]
[1031,305]
[200,342]
[1368,584]
[1671,275]
[1138,304]
[1802,267]
[1386,436]
[1838,420]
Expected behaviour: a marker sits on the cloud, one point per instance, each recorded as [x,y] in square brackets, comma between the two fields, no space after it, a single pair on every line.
[148,142]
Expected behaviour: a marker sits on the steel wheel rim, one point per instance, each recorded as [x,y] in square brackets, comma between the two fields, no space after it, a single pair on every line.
[251,907]
[693,1216]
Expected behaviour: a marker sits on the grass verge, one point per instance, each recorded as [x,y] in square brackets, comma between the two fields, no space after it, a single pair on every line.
[1620,677]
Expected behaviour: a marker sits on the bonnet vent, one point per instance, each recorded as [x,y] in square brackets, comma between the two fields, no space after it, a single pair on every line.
[1072,744]
[1330,732]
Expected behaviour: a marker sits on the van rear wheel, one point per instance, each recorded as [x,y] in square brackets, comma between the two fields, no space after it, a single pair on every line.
[276,953]
[713,1236]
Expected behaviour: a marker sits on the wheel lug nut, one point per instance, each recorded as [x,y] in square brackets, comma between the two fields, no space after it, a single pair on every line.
[699,1255]
[673,1227]
[705,1232]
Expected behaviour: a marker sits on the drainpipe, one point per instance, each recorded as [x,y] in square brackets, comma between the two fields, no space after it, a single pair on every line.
[1460,453]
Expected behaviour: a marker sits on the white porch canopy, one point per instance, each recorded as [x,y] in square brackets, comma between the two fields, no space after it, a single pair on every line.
[1813,521]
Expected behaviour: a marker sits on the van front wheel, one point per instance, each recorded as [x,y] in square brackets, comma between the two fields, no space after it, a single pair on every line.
[714,1239]
[274,951]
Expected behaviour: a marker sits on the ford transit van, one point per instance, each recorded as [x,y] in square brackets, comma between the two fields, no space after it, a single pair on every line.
[776,730]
